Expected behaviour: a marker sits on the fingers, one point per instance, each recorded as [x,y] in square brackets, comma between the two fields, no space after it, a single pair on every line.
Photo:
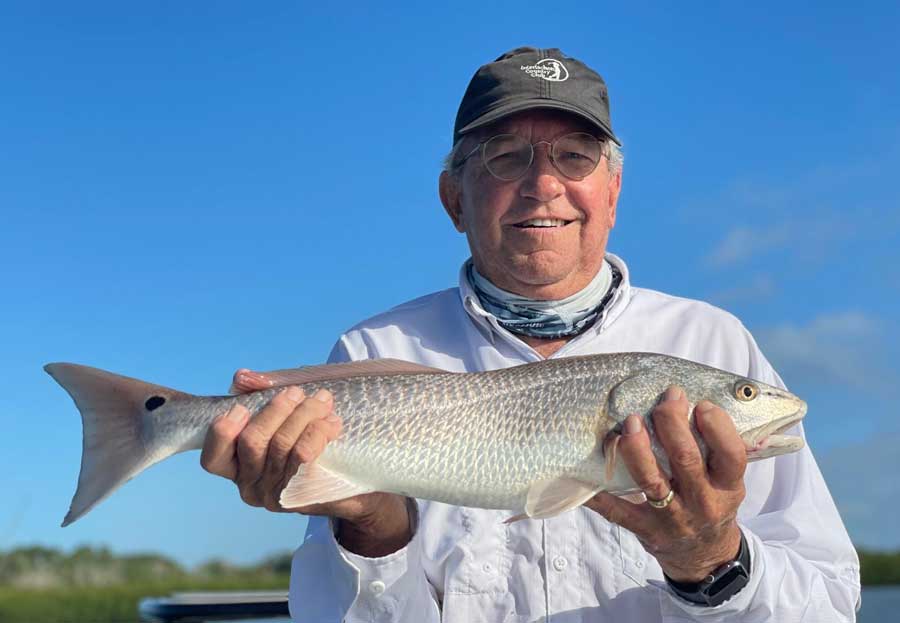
[290,430]
[301,437]
[727,457]
[262,454]
[695,531]
[638,457]
[218,455]
[311,443]
[618,511]
[673,429]
[253,443]
[246,381]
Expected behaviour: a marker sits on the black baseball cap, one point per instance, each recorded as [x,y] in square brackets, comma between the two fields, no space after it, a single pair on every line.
[527,78]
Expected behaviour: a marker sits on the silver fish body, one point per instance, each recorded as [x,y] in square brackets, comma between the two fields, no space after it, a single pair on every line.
[530,438]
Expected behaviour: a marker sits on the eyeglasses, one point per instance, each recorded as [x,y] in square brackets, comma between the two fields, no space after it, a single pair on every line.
[508,156]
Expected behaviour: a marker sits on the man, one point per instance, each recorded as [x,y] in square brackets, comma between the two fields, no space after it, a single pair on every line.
[533,181]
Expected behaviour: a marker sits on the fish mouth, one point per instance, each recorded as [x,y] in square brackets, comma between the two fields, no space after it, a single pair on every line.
[767,441]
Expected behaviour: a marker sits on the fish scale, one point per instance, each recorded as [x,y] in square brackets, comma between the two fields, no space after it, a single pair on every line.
[529,438]
[481,433]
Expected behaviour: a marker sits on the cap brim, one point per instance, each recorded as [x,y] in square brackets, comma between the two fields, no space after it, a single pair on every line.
[508,109]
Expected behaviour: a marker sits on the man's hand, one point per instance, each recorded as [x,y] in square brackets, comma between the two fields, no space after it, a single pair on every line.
[263,453]
[697,532]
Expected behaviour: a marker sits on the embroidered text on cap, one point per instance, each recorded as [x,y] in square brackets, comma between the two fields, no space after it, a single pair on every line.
[549,69]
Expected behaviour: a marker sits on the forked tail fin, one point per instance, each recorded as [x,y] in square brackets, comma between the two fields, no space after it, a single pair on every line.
[118,444]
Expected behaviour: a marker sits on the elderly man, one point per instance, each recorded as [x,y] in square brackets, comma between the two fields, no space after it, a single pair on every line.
[533,182]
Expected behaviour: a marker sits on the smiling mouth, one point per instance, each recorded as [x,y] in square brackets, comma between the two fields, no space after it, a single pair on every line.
[542,223]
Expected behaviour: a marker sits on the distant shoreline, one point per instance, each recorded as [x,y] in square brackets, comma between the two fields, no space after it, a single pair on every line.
[44,585]
[39,567]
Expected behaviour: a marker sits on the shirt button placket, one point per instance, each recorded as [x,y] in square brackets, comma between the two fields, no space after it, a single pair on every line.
[562,561]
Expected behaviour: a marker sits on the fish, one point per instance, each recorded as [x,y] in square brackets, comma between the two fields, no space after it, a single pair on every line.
[536,439]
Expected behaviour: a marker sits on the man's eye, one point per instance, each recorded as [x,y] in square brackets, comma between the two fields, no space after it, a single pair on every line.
[503,156]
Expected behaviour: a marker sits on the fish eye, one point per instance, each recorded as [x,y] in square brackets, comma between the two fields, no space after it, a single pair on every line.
[745,391]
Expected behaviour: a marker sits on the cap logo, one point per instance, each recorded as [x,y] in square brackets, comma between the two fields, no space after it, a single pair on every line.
[548,69]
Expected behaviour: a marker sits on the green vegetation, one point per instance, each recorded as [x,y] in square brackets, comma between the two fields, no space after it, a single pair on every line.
[879,568]
[39,584]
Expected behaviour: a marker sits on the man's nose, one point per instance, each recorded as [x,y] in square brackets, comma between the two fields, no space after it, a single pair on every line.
[542,181]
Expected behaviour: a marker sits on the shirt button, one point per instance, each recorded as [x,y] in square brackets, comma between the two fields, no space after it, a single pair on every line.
[487,568]
[376,587]
[560,563]
[639,564]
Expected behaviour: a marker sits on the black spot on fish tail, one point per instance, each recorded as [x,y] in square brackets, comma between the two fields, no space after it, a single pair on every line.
[154,402]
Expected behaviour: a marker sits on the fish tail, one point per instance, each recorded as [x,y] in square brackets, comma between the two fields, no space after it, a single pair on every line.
[118,442]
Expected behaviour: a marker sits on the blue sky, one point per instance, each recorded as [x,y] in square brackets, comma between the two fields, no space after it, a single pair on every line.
[188,188]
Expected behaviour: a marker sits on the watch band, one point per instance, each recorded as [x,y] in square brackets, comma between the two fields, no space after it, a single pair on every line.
[720,585]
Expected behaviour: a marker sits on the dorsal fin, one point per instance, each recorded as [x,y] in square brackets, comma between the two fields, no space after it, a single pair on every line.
[350,369]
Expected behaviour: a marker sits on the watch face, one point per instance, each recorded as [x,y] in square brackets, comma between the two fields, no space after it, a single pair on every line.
[729,583]
[723,584]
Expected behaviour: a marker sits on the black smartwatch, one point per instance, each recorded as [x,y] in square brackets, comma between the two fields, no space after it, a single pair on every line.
[720,585]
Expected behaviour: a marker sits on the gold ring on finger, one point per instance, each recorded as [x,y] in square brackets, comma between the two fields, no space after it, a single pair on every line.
[663,502]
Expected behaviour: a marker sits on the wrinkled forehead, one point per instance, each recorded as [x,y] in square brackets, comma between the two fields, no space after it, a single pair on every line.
[535,124]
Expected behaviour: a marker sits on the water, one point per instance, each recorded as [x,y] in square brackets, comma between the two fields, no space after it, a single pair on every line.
[880,604]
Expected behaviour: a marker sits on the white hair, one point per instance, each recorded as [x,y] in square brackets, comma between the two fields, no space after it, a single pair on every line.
[614,157]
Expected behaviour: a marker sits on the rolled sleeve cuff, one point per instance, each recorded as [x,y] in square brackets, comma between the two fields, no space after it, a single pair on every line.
[330,583]
[674,609]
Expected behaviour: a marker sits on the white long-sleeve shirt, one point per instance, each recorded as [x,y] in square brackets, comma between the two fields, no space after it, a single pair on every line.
[465,565]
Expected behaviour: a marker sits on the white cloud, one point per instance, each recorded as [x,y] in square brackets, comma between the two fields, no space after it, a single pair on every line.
[744,242]
[809,215]
[851,324]
[805,240]
[842,347]
[756,288]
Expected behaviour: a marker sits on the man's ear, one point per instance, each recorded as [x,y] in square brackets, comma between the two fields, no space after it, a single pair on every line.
[448,189]
[615,187]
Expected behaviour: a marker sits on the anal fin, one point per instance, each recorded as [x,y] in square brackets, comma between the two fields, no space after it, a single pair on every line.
[314,484]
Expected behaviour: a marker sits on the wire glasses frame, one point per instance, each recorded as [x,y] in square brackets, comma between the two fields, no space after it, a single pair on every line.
[508,157]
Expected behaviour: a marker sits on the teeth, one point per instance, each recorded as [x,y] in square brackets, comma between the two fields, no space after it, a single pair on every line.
[543,222]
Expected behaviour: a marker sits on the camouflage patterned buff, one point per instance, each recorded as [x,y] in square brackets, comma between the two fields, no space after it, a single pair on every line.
[547,319]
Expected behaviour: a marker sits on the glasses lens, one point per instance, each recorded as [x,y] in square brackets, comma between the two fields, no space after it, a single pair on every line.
[507,156]
[577,155]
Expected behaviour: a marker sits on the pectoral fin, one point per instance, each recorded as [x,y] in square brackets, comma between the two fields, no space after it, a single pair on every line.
[610,447]
[314,484]
[547,498]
